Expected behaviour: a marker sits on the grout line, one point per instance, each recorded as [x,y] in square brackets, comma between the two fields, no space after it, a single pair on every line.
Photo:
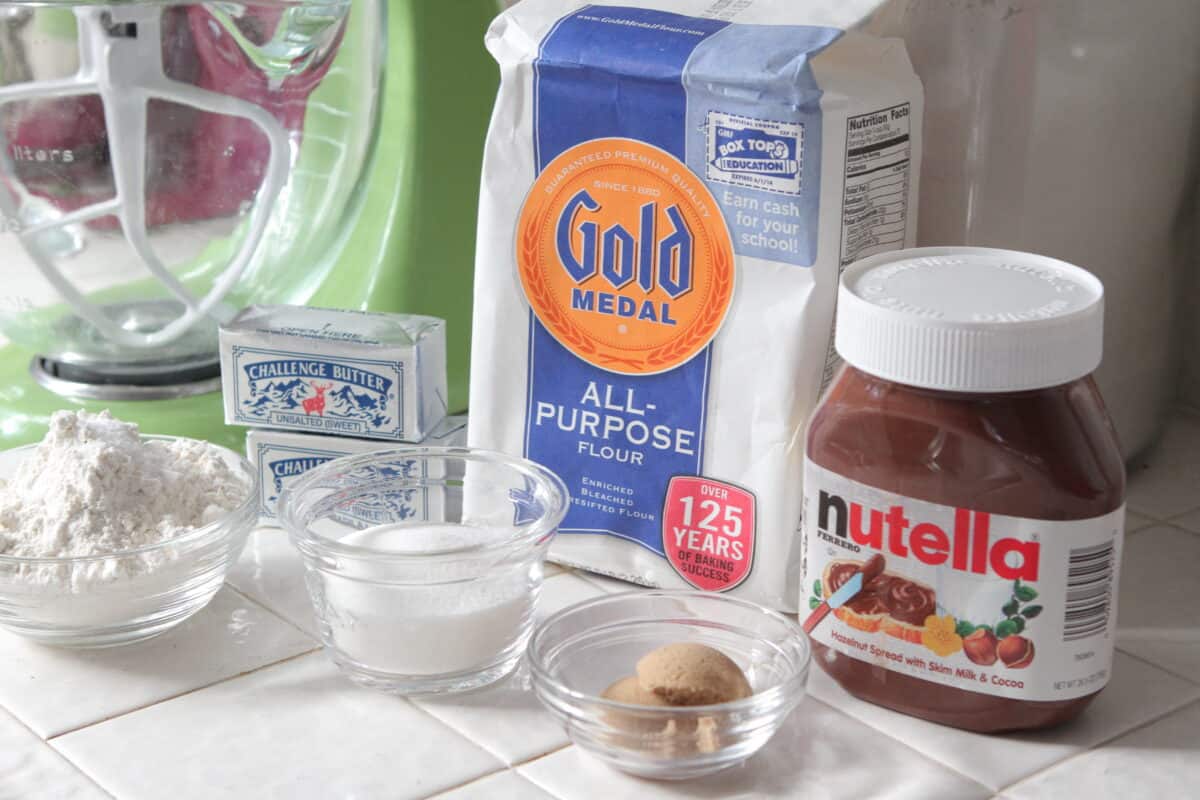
[315,648]
[546,754]
[996,791]
[505,770]
[1126,732]
[1180,528]
[193,690]
[1152,519]
[902,743]
[57,752]
[455,730]
[533,780]
[505,765]
[466,783]
[90,779]
[271,611]
[1163,523]
[1154,524]
[1144,660]
[1101,744]
[1174,522]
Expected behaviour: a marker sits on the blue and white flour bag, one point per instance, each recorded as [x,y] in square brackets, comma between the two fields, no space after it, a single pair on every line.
[670,191]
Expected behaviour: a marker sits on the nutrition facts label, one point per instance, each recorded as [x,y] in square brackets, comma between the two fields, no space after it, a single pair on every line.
[875,197]
[874,201]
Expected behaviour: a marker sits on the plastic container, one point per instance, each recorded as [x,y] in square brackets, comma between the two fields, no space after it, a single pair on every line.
[1013,93]
[578,652]
[124,597]
[424,563]
[965,441]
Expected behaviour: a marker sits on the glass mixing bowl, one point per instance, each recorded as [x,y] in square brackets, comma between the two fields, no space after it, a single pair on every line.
[120,598]
[163,164]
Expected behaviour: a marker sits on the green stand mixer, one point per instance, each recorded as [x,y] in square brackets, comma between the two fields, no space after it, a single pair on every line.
[164,164]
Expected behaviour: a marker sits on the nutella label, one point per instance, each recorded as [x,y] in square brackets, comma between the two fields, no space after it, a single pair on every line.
[1014,607]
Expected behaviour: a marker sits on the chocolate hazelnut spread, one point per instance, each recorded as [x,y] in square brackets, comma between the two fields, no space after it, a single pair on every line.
[1009,501]
[887,594]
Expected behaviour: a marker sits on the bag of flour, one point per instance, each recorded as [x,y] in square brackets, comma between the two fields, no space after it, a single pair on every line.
[669,193]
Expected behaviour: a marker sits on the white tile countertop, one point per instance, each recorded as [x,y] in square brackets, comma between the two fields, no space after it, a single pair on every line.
[240,702]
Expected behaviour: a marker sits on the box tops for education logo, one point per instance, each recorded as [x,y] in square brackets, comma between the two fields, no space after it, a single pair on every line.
[311,387]
[755,153]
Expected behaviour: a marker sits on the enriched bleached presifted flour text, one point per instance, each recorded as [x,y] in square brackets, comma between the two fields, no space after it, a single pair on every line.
[670,191]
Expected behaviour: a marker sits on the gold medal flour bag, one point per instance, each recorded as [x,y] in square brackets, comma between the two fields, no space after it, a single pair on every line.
[670,190]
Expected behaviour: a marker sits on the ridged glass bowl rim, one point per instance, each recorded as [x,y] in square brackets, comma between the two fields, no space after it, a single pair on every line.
[777,696]
[549,490]
[213,531]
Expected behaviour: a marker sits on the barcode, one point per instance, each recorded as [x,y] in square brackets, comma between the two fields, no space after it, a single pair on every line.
[1089,591]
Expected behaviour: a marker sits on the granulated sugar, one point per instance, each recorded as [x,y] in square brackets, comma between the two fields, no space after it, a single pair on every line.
[432,629]
[93,486]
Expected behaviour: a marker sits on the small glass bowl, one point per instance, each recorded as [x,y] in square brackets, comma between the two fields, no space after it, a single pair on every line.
[124,597]
[582,650]
[424,563]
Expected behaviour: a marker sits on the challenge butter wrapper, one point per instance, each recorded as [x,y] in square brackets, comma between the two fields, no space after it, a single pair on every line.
[280,458]
[345,373]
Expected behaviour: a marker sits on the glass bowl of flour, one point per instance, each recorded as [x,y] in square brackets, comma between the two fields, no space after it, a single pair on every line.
[424,563]
[108,537]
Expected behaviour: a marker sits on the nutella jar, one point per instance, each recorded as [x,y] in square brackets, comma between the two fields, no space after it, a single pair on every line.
[964,457]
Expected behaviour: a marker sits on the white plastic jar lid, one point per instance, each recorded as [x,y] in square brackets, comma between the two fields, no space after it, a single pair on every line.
[970,319]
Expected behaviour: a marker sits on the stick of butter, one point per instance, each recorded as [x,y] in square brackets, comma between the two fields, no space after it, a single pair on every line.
[346,373]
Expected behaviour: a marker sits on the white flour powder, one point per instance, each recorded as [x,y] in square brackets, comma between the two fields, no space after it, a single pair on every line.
[93,486]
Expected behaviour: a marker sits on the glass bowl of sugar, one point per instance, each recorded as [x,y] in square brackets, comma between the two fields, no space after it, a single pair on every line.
[424,563]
